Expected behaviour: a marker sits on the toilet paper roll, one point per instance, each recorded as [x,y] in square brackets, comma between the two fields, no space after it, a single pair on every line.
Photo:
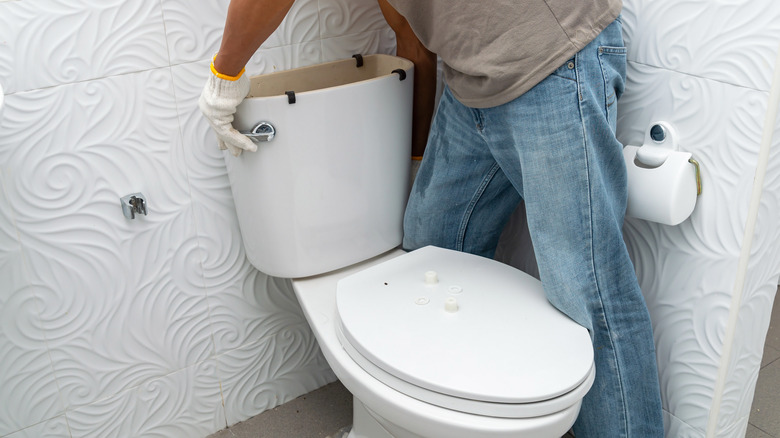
[665,194]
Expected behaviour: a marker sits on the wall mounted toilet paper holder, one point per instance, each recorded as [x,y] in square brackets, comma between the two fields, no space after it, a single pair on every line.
[660,141]
[662,185]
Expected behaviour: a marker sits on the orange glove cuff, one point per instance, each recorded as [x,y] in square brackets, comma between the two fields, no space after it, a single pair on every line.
[224,76]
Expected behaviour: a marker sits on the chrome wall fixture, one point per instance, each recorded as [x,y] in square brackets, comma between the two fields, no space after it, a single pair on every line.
[132,204]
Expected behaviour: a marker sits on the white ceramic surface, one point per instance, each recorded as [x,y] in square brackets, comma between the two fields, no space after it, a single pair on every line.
[330,188]
[397,413]
[397,321]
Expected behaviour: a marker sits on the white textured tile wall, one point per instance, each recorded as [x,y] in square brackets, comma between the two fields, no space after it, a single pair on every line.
[51,42]
[56,427]
[250,386]
[728,41]
[157,326]
[707,67]
[688,272]
[184,403]
[28,391]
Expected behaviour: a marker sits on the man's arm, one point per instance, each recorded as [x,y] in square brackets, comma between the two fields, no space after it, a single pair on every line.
[249,23]
[409,47]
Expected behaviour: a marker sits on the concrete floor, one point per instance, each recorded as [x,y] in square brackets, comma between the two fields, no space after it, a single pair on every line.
[327,412]
[318,414]
[765,415]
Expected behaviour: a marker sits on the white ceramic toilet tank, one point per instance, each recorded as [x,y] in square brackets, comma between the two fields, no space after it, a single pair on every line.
[330,188]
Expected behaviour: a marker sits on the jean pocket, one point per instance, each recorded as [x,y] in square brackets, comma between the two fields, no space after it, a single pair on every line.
[567,70]
[613,70]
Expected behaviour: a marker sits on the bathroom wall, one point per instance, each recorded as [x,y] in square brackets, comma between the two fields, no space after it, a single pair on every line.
[157,326]
[710,68]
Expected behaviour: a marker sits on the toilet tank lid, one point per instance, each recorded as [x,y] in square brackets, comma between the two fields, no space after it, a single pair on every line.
[464,326]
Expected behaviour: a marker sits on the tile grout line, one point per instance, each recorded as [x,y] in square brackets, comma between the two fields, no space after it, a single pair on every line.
[213,355]
[705,78]
[762,430]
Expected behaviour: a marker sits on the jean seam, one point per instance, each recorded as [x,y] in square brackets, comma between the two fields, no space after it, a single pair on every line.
[604,80]
[593,257]
[472,204]
[613,50]
[579,86]
[609,100]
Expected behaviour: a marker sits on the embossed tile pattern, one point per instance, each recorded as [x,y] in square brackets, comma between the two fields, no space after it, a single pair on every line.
[735,42]
[54,428]
[184,404]
[195,33]
[294,366]
[64,190]
[78,40]
[350,17]
[688,272]
[380,41]
[28,391]
[115,325]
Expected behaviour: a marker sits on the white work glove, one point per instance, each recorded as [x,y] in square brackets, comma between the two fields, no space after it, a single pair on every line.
[218,103]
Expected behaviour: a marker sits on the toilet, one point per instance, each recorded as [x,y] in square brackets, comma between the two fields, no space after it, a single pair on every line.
[431,343]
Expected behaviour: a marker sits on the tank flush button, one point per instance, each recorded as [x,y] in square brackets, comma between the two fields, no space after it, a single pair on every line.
[431,278]
[451,305]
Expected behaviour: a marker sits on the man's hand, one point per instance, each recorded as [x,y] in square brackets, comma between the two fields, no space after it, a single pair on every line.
[248,24]
[218,102]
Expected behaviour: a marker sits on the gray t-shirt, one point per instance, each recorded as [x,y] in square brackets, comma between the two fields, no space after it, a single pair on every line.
[495,50]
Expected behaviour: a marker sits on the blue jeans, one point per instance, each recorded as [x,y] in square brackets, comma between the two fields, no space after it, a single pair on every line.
[554,147]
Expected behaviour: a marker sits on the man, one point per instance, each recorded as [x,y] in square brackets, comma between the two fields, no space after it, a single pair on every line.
[528,114]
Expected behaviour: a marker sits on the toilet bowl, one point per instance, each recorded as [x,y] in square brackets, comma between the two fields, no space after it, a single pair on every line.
[431,343]
[503,363]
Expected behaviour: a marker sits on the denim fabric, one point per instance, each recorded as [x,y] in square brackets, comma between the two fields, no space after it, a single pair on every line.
[555,148]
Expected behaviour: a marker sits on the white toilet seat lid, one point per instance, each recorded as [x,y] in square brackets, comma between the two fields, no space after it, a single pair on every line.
[394,320]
